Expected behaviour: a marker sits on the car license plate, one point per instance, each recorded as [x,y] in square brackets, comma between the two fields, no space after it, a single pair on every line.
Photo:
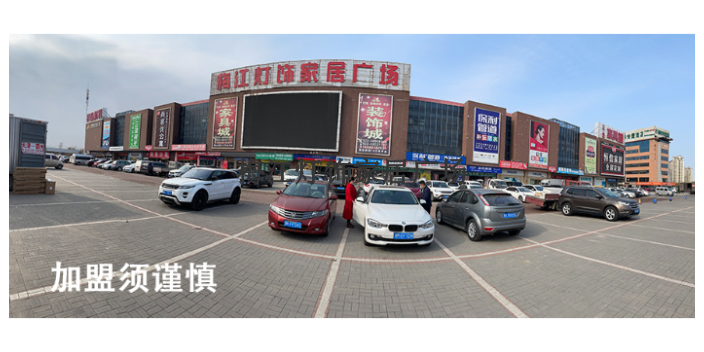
[341,188]
[509,215]
[636,211]
[403,235]
[168,193]
[445,196]
[292,224]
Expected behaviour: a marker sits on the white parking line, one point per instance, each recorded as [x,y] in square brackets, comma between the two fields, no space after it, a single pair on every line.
[321,310]
[512,308]
[652,242]
[90,223]
[655,276]
[675,222]
[83,202]
[662,229]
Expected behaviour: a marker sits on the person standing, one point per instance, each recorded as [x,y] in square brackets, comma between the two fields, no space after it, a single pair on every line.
[426,195]
[350,196]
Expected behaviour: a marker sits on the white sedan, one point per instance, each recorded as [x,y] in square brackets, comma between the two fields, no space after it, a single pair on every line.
[519,193]
[393,215]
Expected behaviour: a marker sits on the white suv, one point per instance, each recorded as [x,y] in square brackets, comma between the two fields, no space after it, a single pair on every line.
[201,185]
[440,189]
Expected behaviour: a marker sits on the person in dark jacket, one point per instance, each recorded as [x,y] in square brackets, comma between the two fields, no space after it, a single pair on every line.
[427,195]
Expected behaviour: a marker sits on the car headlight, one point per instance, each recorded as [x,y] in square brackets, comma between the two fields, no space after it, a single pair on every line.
[427,225]
[623,203]
[317,214]
[186,187]
[275,209]
[375,224]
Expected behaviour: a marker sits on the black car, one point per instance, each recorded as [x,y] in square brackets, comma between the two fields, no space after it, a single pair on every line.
[148,167]
[637,191]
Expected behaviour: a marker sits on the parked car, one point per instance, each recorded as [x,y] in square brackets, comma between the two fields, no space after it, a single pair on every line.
[519,193]
[414,187]
[250,179]
[198,186]
[51,160]
[646,193]
[393,215]
[129,168]
[482,212]
[496,184]
[106,164]
[664,191]
[321,177]
[80,159]
[636,191]
[304,208]
[514,184]
[372,182]
[580,199]
[454,185]
[338,187]
[148,167]
[64,158]
[623,193]
[439,189]
[98,162]
[118,165]
[292,175]
[178,172]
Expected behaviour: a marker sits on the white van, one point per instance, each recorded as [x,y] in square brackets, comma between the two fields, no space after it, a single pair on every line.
[79,159]
[664,191]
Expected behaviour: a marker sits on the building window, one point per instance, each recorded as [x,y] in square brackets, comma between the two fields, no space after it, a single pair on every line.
[119,131]
[638,165]
[434,128]
[507,138]
[644,179]
[637,172]
[664,173]
[632,179]
[664,151]
[568,151]
[663,165]
[643,157]
[193,127]
[643,146]
[632,151]
[663,158]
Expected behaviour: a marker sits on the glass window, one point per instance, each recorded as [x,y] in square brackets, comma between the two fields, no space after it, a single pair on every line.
[455,197]
[434,128]
[591,194]
[579,192]
[500,199]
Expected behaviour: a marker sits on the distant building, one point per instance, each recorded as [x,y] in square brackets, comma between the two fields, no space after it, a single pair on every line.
[647,156]
[676,169]
[688,175]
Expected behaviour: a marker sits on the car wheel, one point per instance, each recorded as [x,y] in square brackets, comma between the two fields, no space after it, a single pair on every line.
[566,208]
[235,197]
[59,167]
[199,201]
[522,199]
[473,231]
[119,168]
[327,227]
[438,216]
[514,232]
[611,214]
[269,185]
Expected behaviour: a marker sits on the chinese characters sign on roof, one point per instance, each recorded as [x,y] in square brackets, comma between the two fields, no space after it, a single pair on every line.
[97,115]
[224,123]
[314,73]
[162,128]
[374,124]
[645,133]
[607,132]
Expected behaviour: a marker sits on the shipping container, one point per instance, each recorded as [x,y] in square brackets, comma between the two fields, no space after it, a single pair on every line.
[27,143]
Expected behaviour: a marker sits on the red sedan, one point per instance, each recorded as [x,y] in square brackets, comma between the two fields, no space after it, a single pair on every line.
[414,187]
[304,208]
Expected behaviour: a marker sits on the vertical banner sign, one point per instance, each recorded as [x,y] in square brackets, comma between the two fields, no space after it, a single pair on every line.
[374,124]
[589,156]
[162,128]
[487,125]
[612,160]
[106,134]
[224,123]
[135,126]
[539,137]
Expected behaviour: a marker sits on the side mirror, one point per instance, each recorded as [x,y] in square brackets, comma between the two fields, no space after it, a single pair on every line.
[360,199]
[599,196]
[422,201]
[278,192]
[334,197]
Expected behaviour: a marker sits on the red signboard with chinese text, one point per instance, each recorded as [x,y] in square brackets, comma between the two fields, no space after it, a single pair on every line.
[224,123]
[374,124]
[186,156]
[158,155]
[33,148]
[512,165]
[188,147]
[94,115]
[163,117]
[148,147]
[552,169]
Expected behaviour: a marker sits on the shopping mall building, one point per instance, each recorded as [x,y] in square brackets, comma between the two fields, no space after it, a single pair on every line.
[349,110]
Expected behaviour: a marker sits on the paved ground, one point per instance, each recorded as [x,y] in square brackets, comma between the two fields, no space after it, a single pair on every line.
[577,266]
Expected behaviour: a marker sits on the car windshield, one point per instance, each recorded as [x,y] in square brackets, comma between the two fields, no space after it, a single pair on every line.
[305,189]
[500,199]
[524,190]
[440,184]
[383,196]
[411,185]
[538,188]
[198,174]
[291,173]
[475,187]
[453,184]
[608,193]
[185,167]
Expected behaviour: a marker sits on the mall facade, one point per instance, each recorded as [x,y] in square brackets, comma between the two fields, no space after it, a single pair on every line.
[351,111]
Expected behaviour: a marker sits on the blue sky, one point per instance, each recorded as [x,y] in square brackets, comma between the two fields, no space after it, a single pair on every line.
[625,81]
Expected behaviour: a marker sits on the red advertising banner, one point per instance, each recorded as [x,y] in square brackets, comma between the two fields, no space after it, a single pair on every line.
[148,147]
[163,118]
[539,137]
[207,153]
[158,155]
[552,169]
[186,156]
[512,165]
[188,147]
[374,124]
[33,148]
[95,115]
[225,123]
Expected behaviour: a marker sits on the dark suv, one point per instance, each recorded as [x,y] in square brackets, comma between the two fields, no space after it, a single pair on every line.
[148,167]
[581,199]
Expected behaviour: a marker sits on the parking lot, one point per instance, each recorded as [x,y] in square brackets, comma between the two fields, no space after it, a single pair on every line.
[579,266]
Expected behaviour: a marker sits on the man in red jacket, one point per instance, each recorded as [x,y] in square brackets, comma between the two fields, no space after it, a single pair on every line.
[350,196]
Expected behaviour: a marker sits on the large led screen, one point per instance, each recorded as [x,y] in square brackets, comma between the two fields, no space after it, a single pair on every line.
[292,120]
